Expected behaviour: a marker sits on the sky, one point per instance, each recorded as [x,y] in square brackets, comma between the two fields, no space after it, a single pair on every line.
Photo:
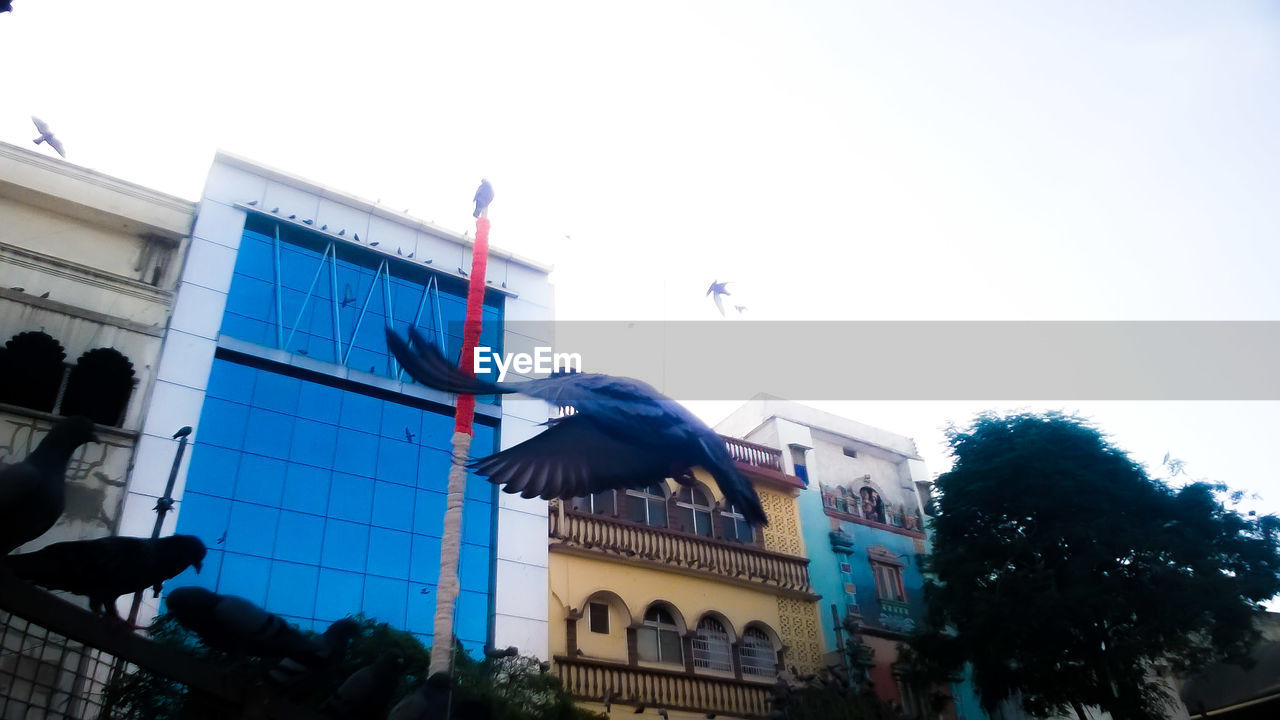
[834,160]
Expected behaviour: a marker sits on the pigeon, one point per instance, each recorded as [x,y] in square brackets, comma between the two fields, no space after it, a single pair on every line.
[275,209]
[499,653]
[408,436]
[324,227]
[356,236]
[44,295]
[106,568]
[374,243]
[410,255]
[18,289]
[430,697]
[624,433]
[237,626]
[366,693]
[484,196]
[462,272]
[398,252]
[293,217]
[33,492]
[308,221]
[719,289]
[342,232]
[46,136]
[251,203]
[296,673]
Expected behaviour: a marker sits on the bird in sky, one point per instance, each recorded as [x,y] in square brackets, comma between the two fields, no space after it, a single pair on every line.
[484,196]
[33,493]
[106,568]
[237,626]
[623,434]
[740,308]
[717,290]
[46,136]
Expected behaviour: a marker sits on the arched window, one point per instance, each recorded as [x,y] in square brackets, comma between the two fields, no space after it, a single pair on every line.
[99,386]
[658,638]
[735,527]
[757,654]
[647,506]
[694,511]
[872,505]
[711,649]
[31,365]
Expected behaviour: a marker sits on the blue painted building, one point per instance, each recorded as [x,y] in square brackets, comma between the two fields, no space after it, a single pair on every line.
[317,472]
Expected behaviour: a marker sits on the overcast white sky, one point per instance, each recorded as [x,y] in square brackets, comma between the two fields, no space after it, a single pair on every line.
[835,160]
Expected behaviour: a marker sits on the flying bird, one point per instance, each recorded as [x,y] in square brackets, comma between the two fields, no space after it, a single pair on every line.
[408,436]
[348,297]
[106,568]
[235,625]
[33,492]
[740,308]
[624,434]
[47,136]
[367,692]
[719,290]
[484,196]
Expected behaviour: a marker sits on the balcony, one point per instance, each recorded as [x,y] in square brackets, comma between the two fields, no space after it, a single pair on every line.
[674,690]
[585,534]
[850,507]
[761,461]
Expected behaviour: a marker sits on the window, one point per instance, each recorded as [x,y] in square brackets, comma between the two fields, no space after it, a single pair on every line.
[647,506]
[850,452]
[658,638]
[598,617]
[757,654]
[99,386]
[735,527]
[694,511]
[31,363]
[797,462]
[888,582]
[604,502]
[711,647]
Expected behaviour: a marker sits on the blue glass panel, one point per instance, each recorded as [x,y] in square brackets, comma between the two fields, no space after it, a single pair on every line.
[437,431]
[252,297]
[482,442]
[292,589]
[268,433]
[393,506]
[203,516]
[350,497]
[345,545]
[252,529]
[367,361]
[428,513]
[212,470]
[433,469]
[231,381]
[476,521]
[397,418]
[249,329]
[277,392]
[384,599]
[207,578]
[322,320]
[245,576]
[319,402]
[478,489]
[338,594]
[361,412]
[474,568]
[261,480]
[306,489]
[292,305]
[420,613]
[388,553]
[424,564]
[397,462]
[473,618]
[256,256]
[300,537]
[222,423]
[357,453]
[371,335]
[298,268]
[313,443]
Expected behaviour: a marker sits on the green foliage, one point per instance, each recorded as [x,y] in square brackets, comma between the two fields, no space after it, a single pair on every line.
[1063,571]
[828,699]
[508,689]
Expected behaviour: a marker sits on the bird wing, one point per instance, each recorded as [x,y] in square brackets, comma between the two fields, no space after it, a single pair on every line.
[572,458]
[41,127]
[106,567]
[56,144]
[719,304]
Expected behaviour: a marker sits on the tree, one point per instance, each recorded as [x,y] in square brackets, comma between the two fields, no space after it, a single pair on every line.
[1063,573]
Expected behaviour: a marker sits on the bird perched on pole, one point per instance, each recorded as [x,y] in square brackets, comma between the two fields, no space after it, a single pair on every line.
[106,568]
[236,626]
[33,493]
[719,289]
[623,434]
[484,196]
[46,136]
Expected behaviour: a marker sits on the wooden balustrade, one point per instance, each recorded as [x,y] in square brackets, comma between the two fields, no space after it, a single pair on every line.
[628,540]
[753,454]
[670,689]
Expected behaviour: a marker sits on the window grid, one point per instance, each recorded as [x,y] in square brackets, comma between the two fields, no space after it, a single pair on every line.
[711,648]
[757,654]
[736,527]
[648,505]
[659,638]
[697,510]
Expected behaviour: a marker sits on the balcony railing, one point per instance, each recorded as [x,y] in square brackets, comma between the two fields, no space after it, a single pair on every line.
[749,453]
[670,689]
[852,505]
[632,541]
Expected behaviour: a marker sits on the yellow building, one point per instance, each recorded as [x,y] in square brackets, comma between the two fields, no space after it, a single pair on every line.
[662,598]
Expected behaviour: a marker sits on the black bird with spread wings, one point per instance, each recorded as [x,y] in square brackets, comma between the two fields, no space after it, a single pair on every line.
[623,434]
[46,136]
[106,568]
[33,493]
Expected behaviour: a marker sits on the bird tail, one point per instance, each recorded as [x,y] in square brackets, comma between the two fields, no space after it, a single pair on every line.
[426,364]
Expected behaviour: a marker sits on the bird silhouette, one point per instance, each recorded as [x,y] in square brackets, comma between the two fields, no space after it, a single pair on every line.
[342,232]
[374,243]
[717,290]
[237,626]
[408,436]
[367,692]
[106,568]
[623,434]
[251,203]
[484,196]
[348,297]
[33,492]
[740,308]
[293,217]
[44,295]
[499,653]
[356,235]
[47,136]
[300,674]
